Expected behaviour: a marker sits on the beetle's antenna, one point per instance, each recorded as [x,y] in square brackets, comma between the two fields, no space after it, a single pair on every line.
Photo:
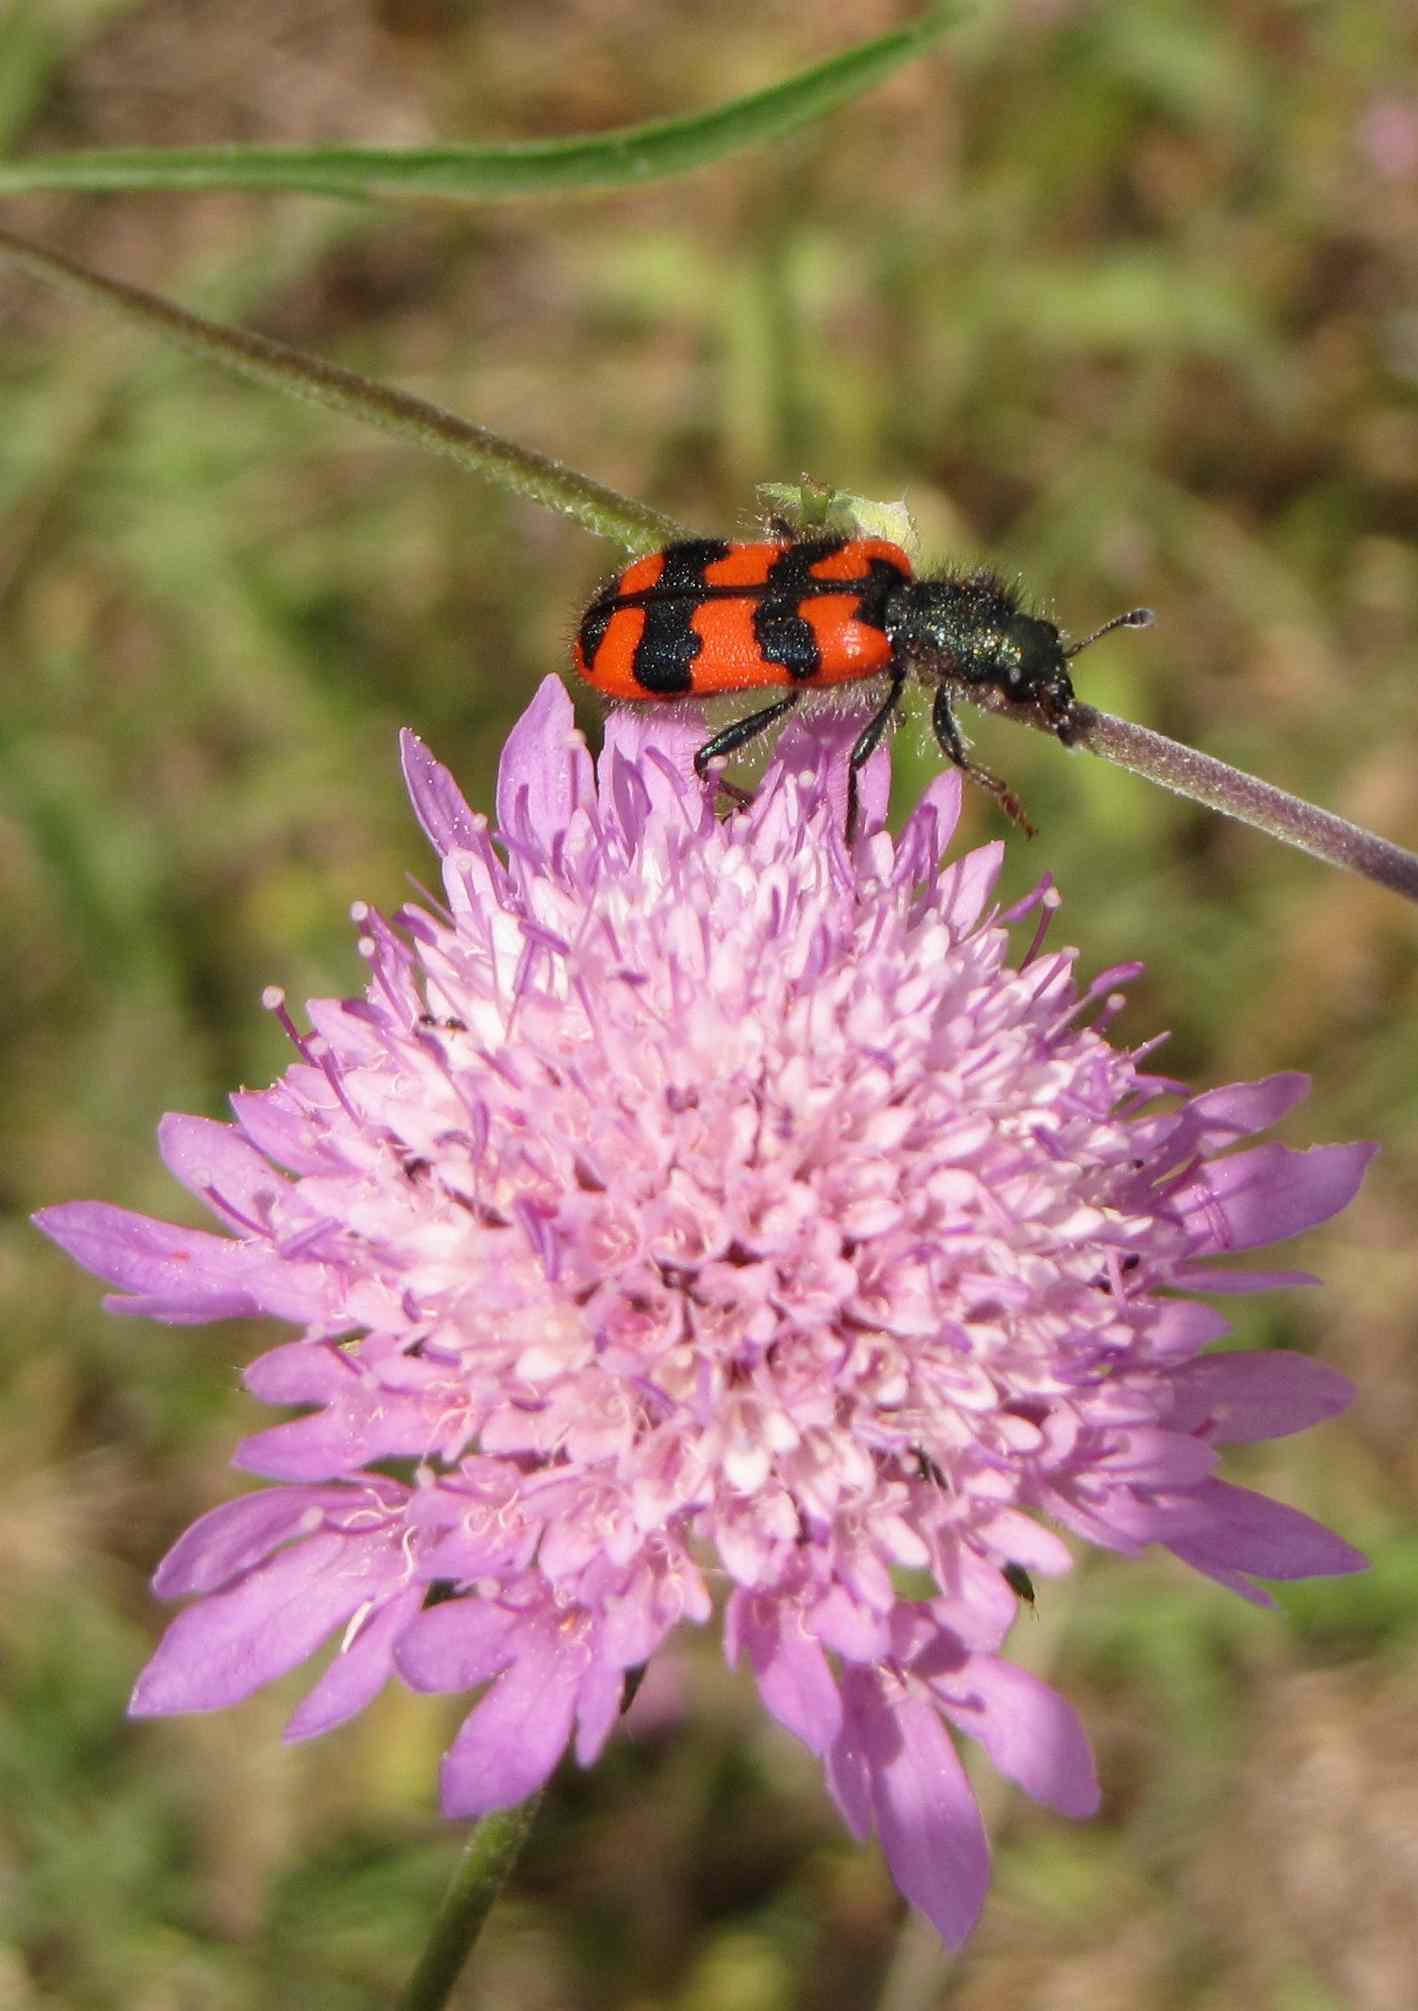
[1136,617]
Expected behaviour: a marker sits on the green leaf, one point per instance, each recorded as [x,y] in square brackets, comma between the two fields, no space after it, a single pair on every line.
[629,156]
[522,470]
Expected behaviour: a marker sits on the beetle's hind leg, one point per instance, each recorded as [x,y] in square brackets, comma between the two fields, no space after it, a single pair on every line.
[867,742]
[947,732]
[736,735]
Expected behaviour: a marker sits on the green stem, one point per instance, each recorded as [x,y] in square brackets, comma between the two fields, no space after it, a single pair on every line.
[491,1852]
[520,469]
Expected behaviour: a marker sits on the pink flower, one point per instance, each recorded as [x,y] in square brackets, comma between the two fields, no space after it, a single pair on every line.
[695,1203]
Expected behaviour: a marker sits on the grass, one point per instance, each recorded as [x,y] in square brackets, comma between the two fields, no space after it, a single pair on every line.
[1119,298]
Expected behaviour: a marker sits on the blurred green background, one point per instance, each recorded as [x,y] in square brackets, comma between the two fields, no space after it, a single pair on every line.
[1123,297]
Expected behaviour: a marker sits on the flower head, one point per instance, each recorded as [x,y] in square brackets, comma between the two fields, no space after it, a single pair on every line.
[695,1203]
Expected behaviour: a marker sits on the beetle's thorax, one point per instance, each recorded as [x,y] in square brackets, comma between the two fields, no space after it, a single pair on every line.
[974,630]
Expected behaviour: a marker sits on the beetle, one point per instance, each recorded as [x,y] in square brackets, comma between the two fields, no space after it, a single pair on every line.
[1020,1584]
[708,616]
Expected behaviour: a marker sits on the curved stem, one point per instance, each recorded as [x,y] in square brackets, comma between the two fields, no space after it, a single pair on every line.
[488,1858]
[521,469]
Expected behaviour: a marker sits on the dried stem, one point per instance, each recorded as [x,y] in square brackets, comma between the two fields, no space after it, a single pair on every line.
[1204,779]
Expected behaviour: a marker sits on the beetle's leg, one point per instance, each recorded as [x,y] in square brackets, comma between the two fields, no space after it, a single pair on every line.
[867,742]
[953,747]
[731,738]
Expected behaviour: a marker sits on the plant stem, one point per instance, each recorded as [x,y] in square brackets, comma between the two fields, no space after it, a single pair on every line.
[641,529]
[488,1857]
[1274,811]
[522,470]
[1204,779]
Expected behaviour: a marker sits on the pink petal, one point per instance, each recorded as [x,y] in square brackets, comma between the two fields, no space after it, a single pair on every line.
[281,1132]
[1031,1733]
[545,773]
[301,1372]
[461,1643]
[185,1275]
[448,823]
[214,1162]
[925,1811]
[1219,1118]
[929,1825]
[364,1415]
[227,1541]
[929,828]
[980,1608]
[816,745]
[1271,1192]
[1241,1398]
[508,1746]
[1235,1284]
[966,885]
[1244,1532]
[230,1644]
[848,1776]
[794,1678]
[340,1440]
[625,798]
[1181,1328]
[874,790]
[848,1627]
[662,743]
[599,1698]
[1122,1519]
[652,1604]
[359,1671]
[1149,1457]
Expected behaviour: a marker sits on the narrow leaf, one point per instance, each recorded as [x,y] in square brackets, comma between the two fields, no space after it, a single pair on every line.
[626,156]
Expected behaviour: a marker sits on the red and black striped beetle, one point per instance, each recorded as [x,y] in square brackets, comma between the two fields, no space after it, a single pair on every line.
[708,616]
